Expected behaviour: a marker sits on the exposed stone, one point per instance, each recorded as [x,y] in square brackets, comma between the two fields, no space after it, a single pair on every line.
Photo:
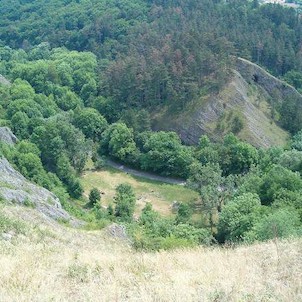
[7,136]
[254,74]
[249,90]
[117,231]
[7,236]
[175,206]
[4,81]
[14,187]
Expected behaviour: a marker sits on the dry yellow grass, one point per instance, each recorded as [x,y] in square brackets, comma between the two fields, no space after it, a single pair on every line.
[55,263]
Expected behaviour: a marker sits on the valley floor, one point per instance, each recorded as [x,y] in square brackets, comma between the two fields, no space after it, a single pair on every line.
[160,194]
[51,262]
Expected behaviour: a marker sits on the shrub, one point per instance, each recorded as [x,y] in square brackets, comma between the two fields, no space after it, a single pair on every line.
[192,234]
[279,224]
[184,213]
[237,124]
[28,203]
[94,196]
[125,202]
[238,217]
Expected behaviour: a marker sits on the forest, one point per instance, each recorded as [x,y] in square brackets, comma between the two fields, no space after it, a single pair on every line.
[87,77]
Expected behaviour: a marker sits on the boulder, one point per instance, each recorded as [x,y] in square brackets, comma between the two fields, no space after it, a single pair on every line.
[117,231]
[7,136]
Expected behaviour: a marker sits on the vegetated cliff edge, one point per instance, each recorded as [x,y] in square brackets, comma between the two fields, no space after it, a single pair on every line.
[7,136]
[245,106]
[15,188]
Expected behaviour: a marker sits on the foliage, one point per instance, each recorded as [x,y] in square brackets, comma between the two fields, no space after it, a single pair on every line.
[90,122]
[155,232]
[238,217]
[8,224]
[163,153]
[94,196]
[276,179]
[184,213]
[294,78]
[279,224]
[296,142]
[88,77]
[125,202]
[118,141]
[237,157]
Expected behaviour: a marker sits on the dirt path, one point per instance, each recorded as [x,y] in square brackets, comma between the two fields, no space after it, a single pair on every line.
[147,175]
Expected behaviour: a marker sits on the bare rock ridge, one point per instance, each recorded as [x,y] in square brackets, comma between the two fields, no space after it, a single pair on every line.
[14,187]
[253,73]
[7,136]
[248,93]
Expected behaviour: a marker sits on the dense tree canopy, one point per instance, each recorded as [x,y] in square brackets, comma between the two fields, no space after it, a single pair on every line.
[151,52]
[87,79]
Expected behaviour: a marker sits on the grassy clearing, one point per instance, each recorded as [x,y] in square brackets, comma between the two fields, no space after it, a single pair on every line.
[76,265]
[161,195]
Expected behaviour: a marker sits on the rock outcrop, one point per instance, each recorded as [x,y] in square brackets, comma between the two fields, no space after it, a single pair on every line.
[7,136]
[117,231]
[14,187]
[4,81]
[272,86]
[249,93]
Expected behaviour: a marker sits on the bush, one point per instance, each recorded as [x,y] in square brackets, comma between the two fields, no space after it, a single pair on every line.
[173,242]
[28,203]
[280,224]
[94,196]
[192,234]
[7,224]
[237,124]
[184,213]
[75,188]
[125,202]
[142,240]
[238,217]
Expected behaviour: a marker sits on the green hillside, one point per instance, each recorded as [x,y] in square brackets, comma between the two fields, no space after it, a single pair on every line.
[92,80]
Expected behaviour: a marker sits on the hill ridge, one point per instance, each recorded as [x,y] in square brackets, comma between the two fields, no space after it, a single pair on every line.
[249,94]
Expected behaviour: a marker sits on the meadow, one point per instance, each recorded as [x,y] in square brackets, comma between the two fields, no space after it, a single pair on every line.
[51,262]
[160,194]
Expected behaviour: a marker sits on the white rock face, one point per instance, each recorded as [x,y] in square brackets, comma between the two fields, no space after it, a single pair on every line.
[7,136]
[14,187]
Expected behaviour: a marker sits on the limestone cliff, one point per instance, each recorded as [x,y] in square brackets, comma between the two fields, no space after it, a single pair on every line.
[7,136]
[17,189]
[248,97]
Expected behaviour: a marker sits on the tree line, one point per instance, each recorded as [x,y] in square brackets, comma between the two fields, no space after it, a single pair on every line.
[61,121]
[86,77]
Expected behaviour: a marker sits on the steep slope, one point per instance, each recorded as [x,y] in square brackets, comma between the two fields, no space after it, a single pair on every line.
[50,262]
[7,136]
[246,100]
[15,188]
